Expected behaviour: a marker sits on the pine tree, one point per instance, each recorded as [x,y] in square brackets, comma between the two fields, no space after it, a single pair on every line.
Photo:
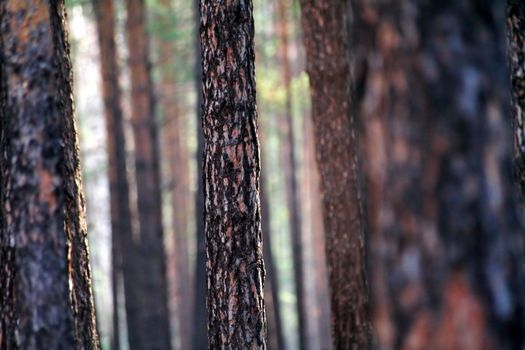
[152,279]
[235,270]
[445,227]
[124,251]
[45,278]
[326,42]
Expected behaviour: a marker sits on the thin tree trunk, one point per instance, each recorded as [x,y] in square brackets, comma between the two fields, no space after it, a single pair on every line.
[177,160]
[275,327]
[322,295]
[235,273]
[290,173]
[516,38]
[326,42]
[444,220]
[121,218]
[200,334]
[153,313]
[45,280]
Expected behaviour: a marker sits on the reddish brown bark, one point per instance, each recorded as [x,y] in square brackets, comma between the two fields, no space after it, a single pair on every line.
[235,270]
[153,303]
[326,42]
[444,223]
[45,278]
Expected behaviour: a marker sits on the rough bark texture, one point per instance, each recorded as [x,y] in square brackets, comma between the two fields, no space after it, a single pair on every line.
[445,231]
[123,250]
[516,41]
[45,278]
[152,279]
[288,150]
[200,339]
[235,269]
[326,42]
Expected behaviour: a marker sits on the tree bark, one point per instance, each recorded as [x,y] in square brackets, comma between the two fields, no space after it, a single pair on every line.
[516,41]
[290,172]
[45,279]
[153,303]
[444,222]
[326,42]
[235,268]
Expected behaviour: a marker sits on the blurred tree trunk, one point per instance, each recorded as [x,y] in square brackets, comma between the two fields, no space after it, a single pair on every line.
[200,332]
[153,304]
[45,279]
[235,273]
[178,175]
[290,171]
[123,247]
[322,295]
[271,293]
[326,42]
[444,222]
[516,37]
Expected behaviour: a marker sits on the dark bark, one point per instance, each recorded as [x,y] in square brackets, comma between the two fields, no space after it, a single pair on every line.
[326,42]
[123,250]
[444,223]
[290,172]
[152,279]
[200,338]
[235,268]
[45,278]
[516,41]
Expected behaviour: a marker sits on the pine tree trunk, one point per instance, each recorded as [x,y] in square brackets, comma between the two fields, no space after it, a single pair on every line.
[326,42]
[124,250]
[45,279]
[516,38]
[200,330]
[290,173]
[152,279]
[235,273]
[444,222]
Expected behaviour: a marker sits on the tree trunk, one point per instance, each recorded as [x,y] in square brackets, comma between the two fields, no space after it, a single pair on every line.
[290,173]
[445,226]
[178,175]
[153,304]
[322,295]
[200,331]
[123,247]
[45,279]
[274,319]
[235,268]
[516,38]
[326,42]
